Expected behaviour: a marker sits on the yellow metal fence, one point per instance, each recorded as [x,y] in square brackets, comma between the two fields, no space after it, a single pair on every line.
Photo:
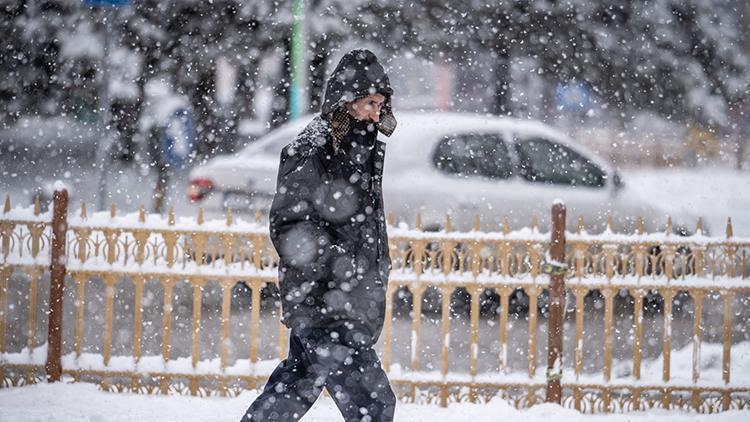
[160,260]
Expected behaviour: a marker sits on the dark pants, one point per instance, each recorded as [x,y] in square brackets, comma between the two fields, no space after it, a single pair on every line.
[326,357]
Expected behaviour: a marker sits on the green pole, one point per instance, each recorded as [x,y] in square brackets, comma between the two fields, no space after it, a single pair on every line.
[296,103]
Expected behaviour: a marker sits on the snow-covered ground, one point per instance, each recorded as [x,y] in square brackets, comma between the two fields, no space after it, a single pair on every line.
[84,402]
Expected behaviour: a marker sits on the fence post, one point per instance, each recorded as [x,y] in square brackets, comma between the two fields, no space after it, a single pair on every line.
[556,268]
[57,280]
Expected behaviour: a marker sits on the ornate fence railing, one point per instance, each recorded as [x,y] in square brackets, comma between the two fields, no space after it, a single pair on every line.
[157,304]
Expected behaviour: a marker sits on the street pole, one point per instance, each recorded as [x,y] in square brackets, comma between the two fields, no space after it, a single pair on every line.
[297,103]
[104,150]
[556,268]
[744,105]
[105,143]
[53,366]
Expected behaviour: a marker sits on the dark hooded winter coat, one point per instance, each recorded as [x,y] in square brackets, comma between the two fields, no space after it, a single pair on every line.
[327,221]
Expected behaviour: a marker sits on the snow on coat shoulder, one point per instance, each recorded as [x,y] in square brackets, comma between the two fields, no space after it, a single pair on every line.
[312,138]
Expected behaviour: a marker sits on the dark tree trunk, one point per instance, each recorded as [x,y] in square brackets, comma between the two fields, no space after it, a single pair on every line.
[281,93]
[125,114]
[501,72]
[202,98]
[247,85]
[318,74]
[547,103]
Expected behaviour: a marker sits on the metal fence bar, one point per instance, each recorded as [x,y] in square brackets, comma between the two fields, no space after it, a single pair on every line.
[580,294]
[609,294]
[283,336]
[388,326]
[195,349]
[668,297]
[533,293]
[416,323]
[226,304]
[35,275]
[254,321]
[697,333]
[6,230]
[727,335]
[166,346]
[80,281]
[637,330]
[5,273]
[727,347]
[505,292]
[109,295]
[445,294]
[474,337]
[139,283]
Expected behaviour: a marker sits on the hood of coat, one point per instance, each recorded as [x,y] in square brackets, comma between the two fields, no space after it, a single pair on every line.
[357,75]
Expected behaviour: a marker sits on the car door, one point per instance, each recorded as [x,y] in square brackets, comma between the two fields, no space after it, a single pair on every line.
[552,170]
[476,173]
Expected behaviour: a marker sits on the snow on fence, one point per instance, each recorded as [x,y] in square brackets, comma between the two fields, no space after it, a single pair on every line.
[143,267]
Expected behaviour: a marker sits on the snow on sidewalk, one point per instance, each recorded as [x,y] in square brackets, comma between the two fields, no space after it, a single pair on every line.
[84,402]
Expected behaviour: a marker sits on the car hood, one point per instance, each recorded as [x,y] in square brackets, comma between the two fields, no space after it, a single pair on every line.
[639,201]
[235,171]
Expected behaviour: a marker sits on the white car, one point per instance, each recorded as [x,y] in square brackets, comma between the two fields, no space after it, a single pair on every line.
[440,163]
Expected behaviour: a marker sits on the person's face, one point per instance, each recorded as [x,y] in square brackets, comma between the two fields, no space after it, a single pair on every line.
[367,108]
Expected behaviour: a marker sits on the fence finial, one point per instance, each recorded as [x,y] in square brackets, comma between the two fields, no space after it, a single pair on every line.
[389,218]
[669,225]
[37,206]
[699,228]
[230,217]
[200,216]
[418,223]
[535,224]
[7,204]
[448,223]
[142,214]
[639,226]
[171,215]
[84,213]
[610,223]
[112,211]
[506,224]
[258,216]
[477,223]
[581,225]
[730,231]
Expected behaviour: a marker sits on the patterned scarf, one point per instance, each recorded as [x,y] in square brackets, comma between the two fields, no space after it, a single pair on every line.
[341,122]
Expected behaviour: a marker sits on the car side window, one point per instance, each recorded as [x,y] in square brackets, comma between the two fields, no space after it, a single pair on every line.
[473,154]
[544,161]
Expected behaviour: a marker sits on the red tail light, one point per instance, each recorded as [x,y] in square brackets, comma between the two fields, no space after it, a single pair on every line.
[199,188]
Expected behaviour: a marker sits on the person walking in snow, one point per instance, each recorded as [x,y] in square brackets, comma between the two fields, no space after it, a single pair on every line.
[328,226]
